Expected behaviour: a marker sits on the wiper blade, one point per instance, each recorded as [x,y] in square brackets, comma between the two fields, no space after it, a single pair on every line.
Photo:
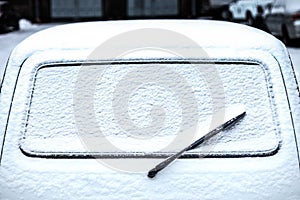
[237,112]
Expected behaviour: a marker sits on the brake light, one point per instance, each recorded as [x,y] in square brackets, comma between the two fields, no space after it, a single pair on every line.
[296,16]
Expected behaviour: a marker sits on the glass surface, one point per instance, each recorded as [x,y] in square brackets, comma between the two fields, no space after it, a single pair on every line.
[129,90]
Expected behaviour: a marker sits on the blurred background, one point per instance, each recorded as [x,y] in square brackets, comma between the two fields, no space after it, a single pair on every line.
[83,10]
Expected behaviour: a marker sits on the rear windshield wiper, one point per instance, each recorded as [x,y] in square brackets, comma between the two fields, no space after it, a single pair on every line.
[232,115]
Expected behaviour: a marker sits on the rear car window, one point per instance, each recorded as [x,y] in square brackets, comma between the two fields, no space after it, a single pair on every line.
[51,129]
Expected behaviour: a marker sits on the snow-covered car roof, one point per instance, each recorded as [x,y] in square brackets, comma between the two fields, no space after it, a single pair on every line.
[90,35]
[130,93]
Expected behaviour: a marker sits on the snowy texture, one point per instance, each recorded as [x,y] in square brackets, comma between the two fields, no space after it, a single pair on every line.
[51,127]
[9,41]
[269,177]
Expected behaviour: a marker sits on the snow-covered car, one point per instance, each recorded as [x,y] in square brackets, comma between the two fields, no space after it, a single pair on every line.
[284,20]
[88,109]
[246,10]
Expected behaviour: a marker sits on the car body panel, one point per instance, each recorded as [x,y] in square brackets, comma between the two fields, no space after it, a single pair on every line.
[273,176]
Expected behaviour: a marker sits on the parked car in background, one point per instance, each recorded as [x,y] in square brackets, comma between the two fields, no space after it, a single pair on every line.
[246,10]
[88,108]
[284,20]
[9,19]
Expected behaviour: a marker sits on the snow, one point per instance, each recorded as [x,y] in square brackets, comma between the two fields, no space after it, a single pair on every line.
[9,41]
[51,121]
[247,50]
[26,25]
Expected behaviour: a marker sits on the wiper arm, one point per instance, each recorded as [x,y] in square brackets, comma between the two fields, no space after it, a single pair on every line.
[239,112]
